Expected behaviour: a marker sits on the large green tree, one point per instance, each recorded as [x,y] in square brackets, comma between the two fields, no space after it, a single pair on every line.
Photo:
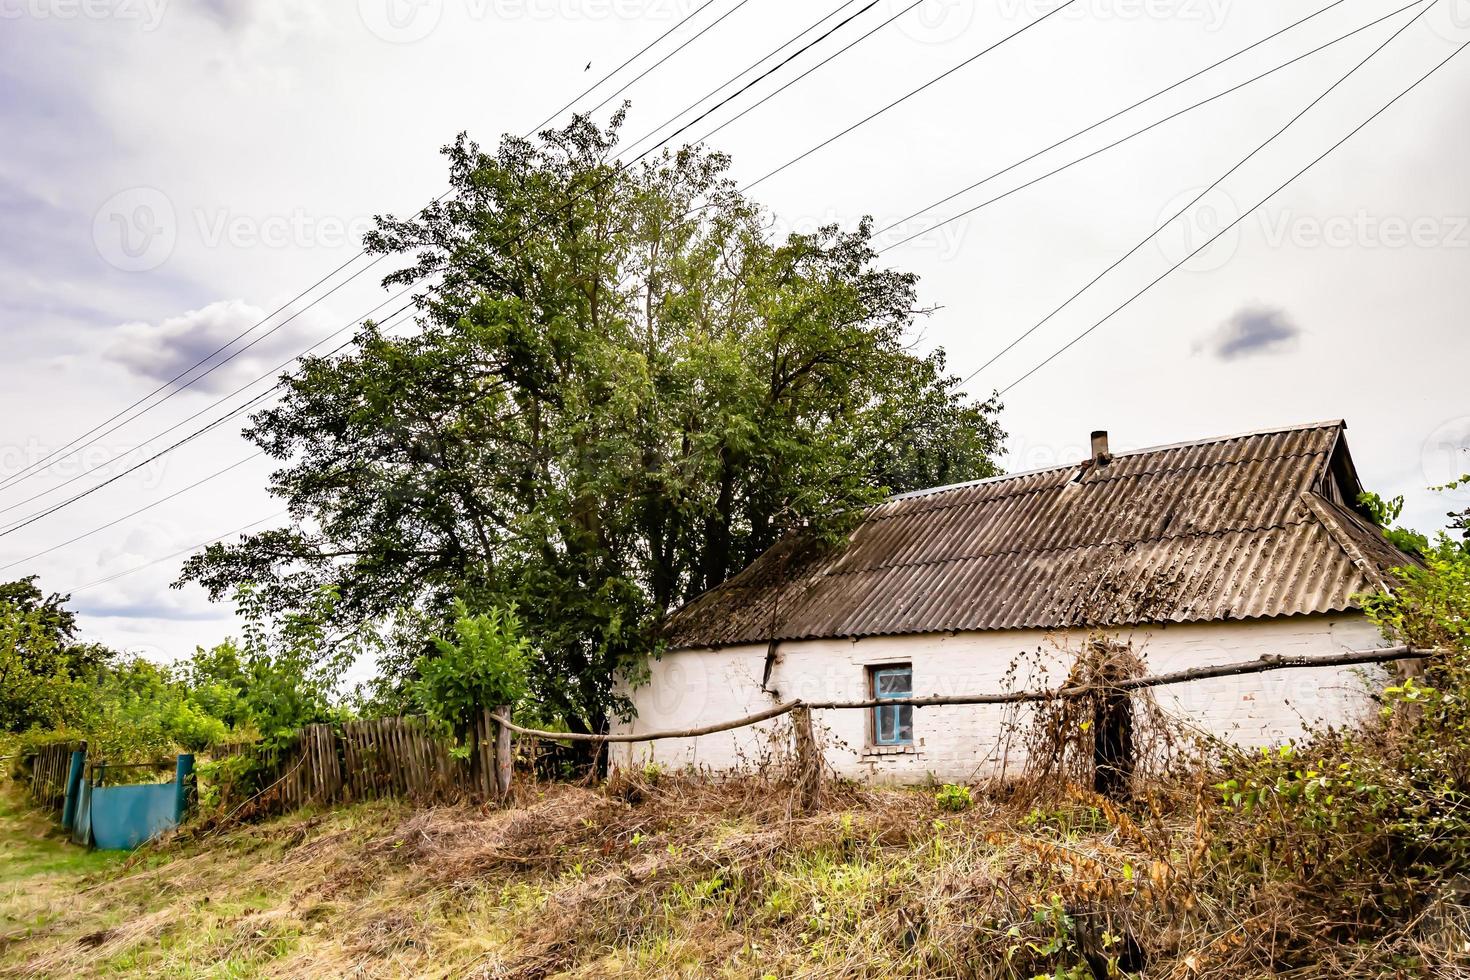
[619,393]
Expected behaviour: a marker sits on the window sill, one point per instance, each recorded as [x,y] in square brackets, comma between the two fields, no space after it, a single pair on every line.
[879,750]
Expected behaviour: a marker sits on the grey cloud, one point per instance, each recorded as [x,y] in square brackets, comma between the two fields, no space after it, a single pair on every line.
[230,14]
[1251,331]
[165,350]
[145,609]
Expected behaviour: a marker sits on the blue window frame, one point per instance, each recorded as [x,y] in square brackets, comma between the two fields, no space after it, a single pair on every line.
[893,724]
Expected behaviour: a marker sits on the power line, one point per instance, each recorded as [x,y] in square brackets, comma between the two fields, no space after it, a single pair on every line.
[31,519]
[1057,353]
[1198,197]
[216,403]
[681,47]
[1101,122]
[640,53]
[41,463]
[179,554]
[33,467]
[904,98]
[834,55]
[753,65]
[67,449]
[146,507]
[412,285]
[26,521]
[388,323]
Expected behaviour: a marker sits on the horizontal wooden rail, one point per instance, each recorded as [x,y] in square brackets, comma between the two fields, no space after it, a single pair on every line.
[723,726]
[1260,666]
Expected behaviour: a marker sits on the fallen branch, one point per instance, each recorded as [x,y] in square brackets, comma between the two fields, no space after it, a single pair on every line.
[1260,666]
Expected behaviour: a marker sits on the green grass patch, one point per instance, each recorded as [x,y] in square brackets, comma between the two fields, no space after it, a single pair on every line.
[32,843]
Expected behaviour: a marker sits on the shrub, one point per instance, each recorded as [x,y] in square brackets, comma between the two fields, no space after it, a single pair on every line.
[485,665]
[953,798]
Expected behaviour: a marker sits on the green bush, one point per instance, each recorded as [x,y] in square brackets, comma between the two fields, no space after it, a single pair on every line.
[485,665]
[953,798]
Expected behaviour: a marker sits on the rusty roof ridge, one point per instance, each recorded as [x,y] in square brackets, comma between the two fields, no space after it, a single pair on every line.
[1142,474]
[1221,532]
[1274,430]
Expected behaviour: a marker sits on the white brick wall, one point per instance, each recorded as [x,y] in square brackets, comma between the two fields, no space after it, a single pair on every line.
[694,687]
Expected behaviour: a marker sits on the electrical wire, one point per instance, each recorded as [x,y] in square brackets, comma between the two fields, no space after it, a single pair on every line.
[67,448]
[1357,129]
[1200,196]
[34,497]
[146,507]
[640,53]
[910,94]
[753,65]
[1107,119]
[178,554]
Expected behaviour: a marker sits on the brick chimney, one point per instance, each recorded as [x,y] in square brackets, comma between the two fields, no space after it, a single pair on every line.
[1100,454]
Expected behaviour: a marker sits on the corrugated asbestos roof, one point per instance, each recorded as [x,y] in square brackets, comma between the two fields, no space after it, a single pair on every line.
[1234,528]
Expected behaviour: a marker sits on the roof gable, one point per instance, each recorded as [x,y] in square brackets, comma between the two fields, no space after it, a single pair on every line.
[1234,528]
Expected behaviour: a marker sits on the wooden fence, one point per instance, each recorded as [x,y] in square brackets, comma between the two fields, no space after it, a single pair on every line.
[384,757]
[50,767]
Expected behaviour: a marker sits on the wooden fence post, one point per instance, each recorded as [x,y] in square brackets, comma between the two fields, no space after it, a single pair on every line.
[808,760]
[504,760]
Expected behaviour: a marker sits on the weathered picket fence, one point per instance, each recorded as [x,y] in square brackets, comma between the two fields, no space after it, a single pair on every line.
[50,766]
[383,757]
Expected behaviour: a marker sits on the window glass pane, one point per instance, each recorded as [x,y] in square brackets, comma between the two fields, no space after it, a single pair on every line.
[885,724]
[895,683]
[905,722]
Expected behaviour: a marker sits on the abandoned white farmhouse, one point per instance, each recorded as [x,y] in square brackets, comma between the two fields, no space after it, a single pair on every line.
[1200,553]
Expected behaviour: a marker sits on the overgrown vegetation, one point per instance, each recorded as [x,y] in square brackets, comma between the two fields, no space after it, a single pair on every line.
[281,674]
[1342,855]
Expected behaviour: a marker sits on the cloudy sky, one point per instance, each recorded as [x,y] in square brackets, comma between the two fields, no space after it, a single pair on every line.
[174,171]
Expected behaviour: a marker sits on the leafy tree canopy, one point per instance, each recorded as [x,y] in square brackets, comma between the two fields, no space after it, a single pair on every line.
[40,657]
[618,395]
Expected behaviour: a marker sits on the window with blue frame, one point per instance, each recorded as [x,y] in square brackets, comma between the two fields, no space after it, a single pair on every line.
[893,724]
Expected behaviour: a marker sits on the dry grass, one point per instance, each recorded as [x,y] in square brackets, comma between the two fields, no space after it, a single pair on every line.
[673,876]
